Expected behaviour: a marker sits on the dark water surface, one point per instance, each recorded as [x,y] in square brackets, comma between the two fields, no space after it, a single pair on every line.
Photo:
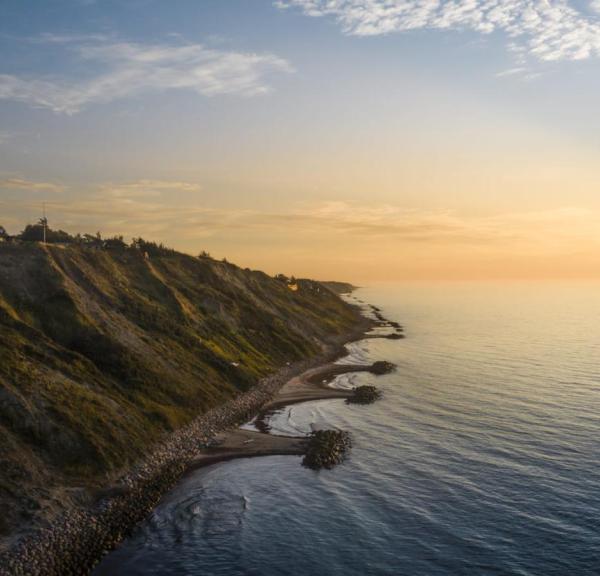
[483,457]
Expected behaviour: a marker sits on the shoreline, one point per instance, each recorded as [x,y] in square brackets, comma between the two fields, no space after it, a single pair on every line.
[80,537]
[311,385]
[240,443]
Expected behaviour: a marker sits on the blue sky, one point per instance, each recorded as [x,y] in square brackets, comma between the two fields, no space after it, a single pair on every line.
[338,117]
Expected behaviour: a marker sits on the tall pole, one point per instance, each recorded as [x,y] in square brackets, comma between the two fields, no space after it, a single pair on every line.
[45,222]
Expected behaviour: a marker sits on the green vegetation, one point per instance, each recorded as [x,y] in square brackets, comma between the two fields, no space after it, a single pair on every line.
[106,346]
[37,232]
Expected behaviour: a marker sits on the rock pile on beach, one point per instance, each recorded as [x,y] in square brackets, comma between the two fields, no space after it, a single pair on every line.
[364,395]
[381,367]
[383,322]
[326,449]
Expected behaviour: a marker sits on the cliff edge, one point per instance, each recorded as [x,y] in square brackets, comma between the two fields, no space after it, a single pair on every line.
[104,351]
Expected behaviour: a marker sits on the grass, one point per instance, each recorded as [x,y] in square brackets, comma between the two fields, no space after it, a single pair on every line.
[102,352]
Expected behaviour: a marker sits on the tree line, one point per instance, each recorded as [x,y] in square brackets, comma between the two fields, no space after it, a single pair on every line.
[36,233]
[41,231]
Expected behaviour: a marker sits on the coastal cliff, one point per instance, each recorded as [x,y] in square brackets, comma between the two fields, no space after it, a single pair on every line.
[105,351]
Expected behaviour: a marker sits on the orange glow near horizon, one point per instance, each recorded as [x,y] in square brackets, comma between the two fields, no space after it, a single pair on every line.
[314,151]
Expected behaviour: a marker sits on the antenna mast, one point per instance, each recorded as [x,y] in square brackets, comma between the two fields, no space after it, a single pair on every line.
[45,222]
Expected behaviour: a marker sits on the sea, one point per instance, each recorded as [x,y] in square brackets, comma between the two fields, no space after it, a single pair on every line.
[482,457]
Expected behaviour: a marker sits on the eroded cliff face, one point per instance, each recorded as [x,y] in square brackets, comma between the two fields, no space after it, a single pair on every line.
[103,351]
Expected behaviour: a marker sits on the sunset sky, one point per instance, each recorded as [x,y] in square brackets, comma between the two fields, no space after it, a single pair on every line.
[359,140]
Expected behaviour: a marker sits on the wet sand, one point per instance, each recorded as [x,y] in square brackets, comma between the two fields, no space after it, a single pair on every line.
[311,385]
[247,444]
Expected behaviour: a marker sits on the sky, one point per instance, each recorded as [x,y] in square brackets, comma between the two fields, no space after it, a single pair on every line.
[359,140]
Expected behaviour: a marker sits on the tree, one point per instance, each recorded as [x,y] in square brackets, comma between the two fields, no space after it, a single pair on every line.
[32,233]
[35,233]
[92,240]
[116,242]
[151,248]
[3,232]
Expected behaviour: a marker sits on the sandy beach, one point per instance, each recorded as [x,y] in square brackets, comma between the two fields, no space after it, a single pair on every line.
[241,443]
[312,384]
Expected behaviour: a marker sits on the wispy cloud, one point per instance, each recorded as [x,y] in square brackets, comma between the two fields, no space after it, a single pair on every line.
[144,208]
[138,207]
[332,237]
[339,238]
[125,69]
[148,188]
[442,227]
[549,30]
[19,184]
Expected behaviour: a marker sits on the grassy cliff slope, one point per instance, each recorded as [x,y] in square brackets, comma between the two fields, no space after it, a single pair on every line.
[103,351]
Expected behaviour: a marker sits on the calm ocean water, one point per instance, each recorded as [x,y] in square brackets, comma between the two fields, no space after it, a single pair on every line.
[483,457]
